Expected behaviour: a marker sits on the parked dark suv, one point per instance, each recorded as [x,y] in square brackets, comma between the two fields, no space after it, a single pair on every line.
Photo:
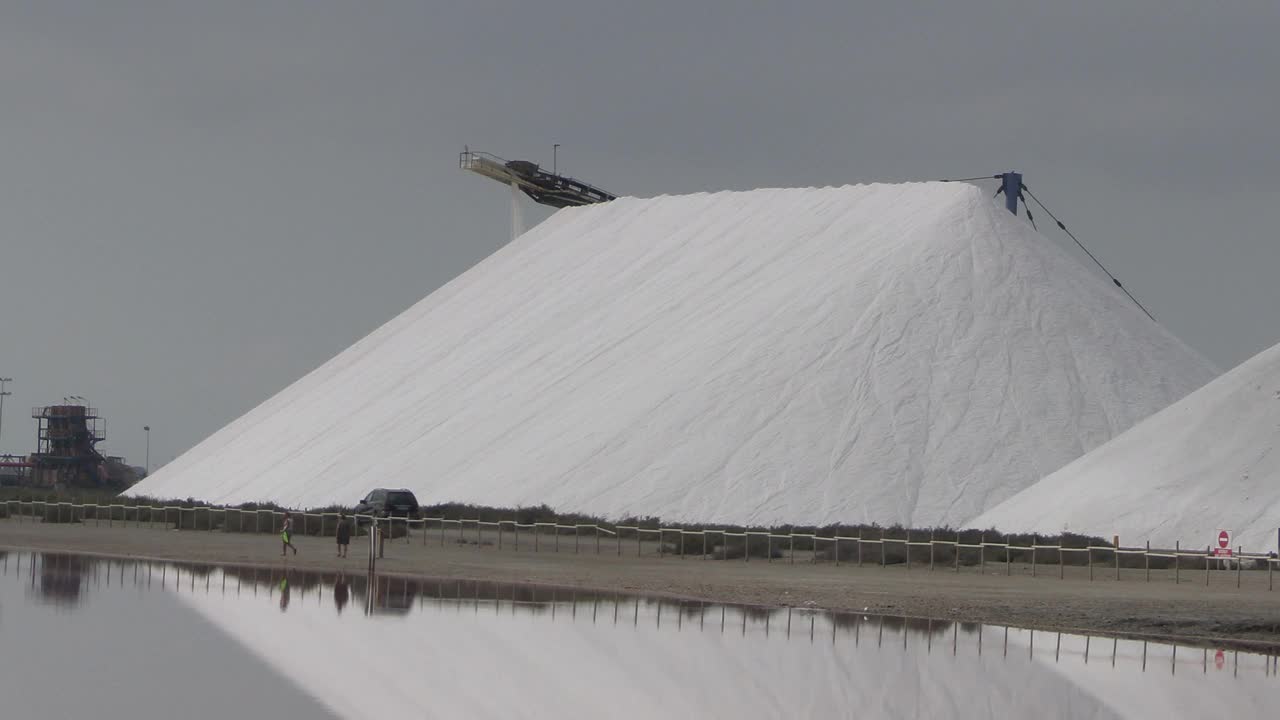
[385,502]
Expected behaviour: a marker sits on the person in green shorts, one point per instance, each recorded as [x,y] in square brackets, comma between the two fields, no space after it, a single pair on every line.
[286,535]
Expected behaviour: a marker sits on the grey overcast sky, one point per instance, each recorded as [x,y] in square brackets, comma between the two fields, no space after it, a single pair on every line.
[200,201]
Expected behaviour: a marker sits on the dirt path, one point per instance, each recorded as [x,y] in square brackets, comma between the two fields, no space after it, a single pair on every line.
[1189,611]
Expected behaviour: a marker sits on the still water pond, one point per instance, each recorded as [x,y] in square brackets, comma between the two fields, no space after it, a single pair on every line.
[85,637]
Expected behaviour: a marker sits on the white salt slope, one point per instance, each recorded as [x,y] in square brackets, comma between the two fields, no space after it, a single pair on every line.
[909,353]
[1204,464]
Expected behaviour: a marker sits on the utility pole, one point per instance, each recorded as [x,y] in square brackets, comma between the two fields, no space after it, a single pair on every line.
[147,430]
[3,394]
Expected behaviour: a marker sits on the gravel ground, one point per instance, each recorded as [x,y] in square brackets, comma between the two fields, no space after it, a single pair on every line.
[1188,611]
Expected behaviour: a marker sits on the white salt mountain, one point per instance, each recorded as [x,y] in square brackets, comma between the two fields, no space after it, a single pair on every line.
[1207,463]
[892,353]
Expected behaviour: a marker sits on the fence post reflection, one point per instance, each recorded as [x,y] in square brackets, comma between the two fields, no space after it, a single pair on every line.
[54,573]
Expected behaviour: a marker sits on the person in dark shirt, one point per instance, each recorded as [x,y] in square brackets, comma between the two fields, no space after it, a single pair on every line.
[344,535]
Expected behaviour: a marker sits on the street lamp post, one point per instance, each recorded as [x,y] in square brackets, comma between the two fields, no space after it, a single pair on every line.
[3,394]
[147,430]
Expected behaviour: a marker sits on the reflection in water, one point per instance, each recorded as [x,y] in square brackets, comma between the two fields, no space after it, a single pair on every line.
[341,590]
[487,645]
[58,578]
[82,638]
[284,592]
[55,578]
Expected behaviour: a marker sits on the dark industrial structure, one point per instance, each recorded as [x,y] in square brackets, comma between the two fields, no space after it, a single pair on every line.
[14,470]
[546,188]
[66,440]
[66,451]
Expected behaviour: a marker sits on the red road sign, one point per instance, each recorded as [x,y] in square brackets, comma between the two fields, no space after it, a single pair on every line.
[1219,659]
[1224,544]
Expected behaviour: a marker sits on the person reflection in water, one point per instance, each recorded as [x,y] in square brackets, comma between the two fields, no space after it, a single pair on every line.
[284,593]
[340,592]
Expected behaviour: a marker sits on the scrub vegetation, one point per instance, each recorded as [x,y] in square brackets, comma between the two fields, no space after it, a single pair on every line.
[870,544]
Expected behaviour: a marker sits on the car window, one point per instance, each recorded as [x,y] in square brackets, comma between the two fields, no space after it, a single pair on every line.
[401,498]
